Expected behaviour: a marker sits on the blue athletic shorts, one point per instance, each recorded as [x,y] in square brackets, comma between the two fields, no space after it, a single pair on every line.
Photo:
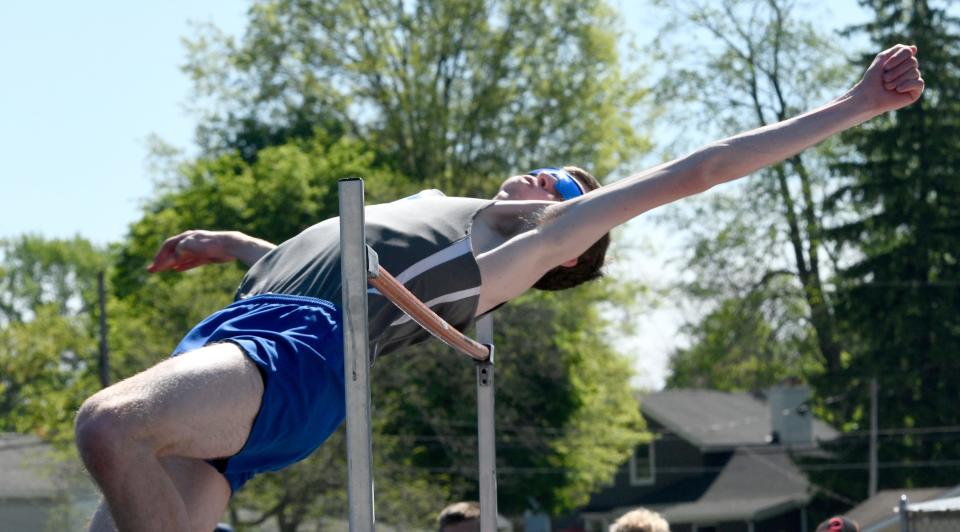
[297,343]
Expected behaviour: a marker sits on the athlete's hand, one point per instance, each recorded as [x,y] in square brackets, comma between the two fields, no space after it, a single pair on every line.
[191,249]
[892,81]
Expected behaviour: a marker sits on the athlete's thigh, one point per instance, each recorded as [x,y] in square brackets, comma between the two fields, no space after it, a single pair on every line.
[200,404]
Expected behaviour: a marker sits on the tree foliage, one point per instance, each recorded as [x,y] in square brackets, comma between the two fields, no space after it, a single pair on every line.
[757,263]
[48,346]
[758,338]
[900,299]
[37,272]
[566,417]
[445,89]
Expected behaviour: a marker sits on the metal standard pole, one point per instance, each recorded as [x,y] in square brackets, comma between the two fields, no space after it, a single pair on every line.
[872,487]
[104,348]
[356,367]
[486,440]
[904,514]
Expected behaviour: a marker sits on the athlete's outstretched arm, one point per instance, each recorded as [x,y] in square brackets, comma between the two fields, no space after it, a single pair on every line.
[197,247]
[569,228]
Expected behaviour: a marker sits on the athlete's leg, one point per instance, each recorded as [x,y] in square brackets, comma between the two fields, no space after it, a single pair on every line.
[197,405]
[204,490]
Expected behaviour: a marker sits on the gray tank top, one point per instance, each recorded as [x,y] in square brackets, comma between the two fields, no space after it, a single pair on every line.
[424,241]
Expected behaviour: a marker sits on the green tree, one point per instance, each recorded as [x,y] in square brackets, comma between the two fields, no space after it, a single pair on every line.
[758,338]
[901,276]
[48,335]
[757,261]
[566,417]
[445,89]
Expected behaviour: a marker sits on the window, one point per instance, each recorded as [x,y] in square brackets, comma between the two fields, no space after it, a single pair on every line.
[642,470]
[595,524]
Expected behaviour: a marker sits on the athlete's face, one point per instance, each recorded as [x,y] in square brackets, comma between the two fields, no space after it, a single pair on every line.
[535,186]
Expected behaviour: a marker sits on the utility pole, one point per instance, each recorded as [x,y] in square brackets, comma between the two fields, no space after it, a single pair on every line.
[104,351]
[873,437]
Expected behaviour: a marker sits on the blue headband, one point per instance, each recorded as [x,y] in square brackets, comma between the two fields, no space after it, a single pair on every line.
[566,185]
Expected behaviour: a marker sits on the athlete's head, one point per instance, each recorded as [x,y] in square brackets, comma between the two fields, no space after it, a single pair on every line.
[547,184]
[640,520]
[460,517]
[839,524]
[559,184]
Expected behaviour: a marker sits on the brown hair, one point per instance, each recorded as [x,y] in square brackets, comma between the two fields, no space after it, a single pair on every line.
[590,262]
[457,513]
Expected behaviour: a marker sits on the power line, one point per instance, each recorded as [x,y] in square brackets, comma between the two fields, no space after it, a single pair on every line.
[663,434]
[696,469]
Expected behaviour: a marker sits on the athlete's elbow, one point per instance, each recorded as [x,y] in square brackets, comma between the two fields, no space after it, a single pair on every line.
[708,168]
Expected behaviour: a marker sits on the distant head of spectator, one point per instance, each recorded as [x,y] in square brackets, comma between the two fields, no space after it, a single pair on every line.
[640,520]
[460,517]
[839,524]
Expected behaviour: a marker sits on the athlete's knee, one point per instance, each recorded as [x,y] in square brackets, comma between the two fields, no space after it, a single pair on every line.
[106,430]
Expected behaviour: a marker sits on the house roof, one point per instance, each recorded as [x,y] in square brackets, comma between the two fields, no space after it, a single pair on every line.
[714,420]
[951,504]
[879,513]
[754,484]
[30,471]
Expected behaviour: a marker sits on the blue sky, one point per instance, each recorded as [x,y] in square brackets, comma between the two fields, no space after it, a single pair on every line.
[84,85]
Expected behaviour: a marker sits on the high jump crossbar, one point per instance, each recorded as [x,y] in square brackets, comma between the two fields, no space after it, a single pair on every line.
[358,266]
